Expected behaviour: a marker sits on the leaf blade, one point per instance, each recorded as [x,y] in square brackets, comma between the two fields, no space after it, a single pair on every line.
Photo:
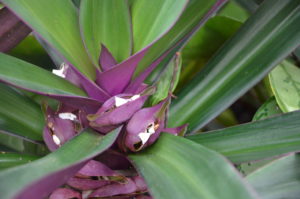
[178,175]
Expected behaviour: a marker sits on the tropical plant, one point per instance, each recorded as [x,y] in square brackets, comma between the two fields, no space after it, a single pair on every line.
[106,122]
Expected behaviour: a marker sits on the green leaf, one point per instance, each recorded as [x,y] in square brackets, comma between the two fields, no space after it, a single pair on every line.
[257,140]
[30,77]
[285,84]
[22,144]
[57,22]
[169,78]
[19,114]
[268,109]
[187,23]
[204,44]
[177,168]
[106,22]
[8,160]
[266,38]
[151,19]
[234,11]
[278,180]
[75,152]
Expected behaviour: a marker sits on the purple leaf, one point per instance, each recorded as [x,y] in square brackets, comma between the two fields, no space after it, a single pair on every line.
[115,111]
[86,184]
[177,130]
[64,193]
[12,30]
[115,160]
[136,184]
[106,59]
[145,126]
[59,128]
[116,79]
[91,88]
[96,168]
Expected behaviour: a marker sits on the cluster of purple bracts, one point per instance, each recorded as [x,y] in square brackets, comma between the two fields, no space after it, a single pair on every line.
[120,102]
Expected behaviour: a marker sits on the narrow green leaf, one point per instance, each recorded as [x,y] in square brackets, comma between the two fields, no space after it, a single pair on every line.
[177,168]
[187,23]
[22,144]
[280,179]
[151,19]
[57,22]
[19,114]
[8,160]
[30,77]
[285,84]
[235,11]
[106,22]
[257,140]
[75,152]
[266,38]
[268,109]
[204,44]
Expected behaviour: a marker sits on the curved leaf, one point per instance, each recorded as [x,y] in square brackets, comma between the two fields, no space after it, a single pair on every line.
[195,15]
[279,179]
[106,22]
[8,160]
[19,114]
[267,37]
[268,109]
[257,140]
[150,19]
[41,177]
[57,22]
[177,168]
[29,77]
[285,84]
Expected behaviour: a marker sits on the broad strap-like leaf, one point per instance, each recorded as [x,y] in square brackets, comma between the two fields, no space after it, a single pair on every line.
[177,168]
[195,15]
[29,77]
[19,114]
[266,38]
[56,22]
[22,144]
[8,160]
[285,84]
[39,178]
[106,22]
[151,19]
[279,179]
[12,31]
[257,140]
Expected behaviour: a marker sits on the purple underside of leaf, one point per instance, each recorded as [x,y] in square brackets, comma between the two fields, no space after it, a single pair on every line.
[84,103]
[63,193]
[116,79]
[92,89]
[12,30]
[86,184]
[96,168]
[132,87]
[45,186]
[106,59]
[132,185]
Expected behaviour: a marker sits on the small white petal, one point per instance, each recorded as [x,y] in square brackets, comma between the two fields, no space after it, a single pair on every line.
[120,101]
[62,71]
[67,116]
[144,137]
[56,139]
[135,97]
